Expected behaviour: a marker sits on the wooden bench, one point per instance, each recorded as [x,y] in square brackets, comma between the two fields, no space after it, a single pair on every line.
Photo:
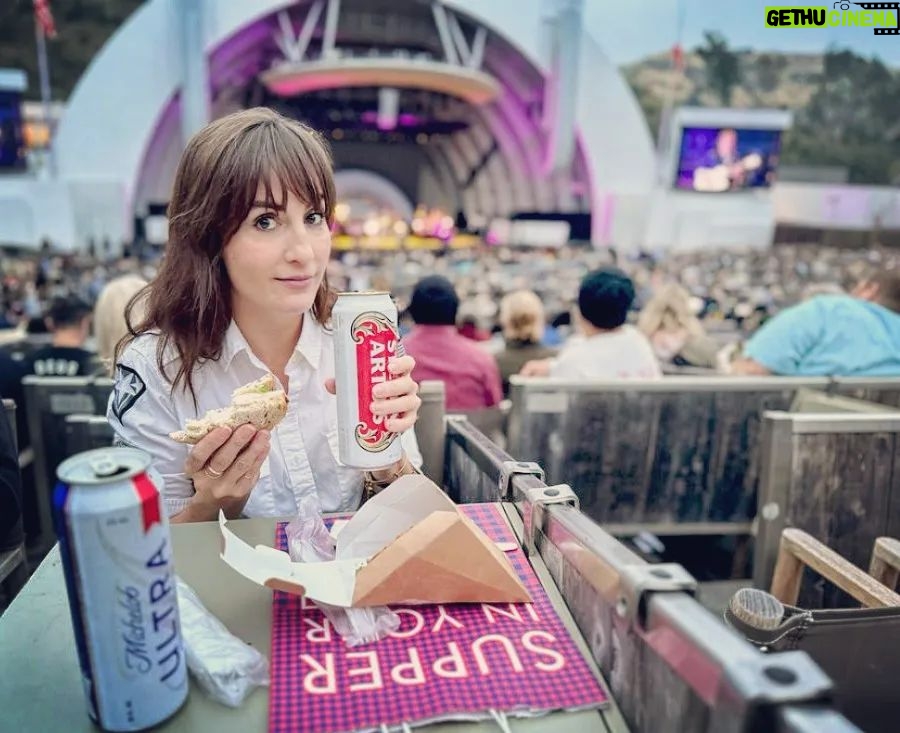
[859,648]
[48,400]
[833,475]
[680,455]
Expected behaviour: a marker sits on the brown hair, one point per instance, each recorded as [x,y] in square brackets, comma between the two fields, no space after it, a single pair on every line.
[888,282]
[669,310]
[189,302]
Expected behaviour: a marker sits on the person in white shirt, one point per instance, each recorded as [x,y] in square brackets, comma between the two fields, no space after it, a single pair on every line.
[242,292]
[607,348]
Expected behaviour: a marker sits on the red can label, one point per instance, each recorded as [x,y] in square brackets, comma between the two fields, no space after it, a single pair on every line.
[376,343]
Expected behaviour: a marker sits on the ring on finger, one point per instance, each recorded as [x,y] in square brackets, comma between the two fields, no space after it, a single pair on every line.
[210,471]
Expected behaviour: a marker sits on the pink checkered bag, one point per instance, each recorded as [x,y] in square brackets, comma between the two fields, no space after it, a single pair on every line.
[458,661]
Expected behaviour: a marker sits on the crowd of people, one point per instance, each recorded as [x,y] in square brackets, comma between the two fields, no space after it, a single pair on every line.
[245,290]
[519,305]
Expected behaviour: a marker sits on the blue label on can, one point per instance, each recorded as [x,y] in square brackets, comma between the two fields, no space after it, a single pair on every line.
[60,497]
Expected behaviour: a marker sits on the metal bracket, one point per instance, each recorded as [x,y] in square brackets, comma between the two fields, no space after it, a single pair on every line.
[508,469]
[533,516]
[637,581]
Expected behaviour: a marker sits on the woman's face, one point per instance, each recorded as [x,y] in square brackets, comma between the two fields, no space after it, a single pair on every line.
[276,259]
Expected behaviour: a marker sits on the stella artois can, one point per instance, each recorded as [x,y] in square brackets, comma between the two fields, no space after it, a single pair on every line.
[365,339]
[117,561]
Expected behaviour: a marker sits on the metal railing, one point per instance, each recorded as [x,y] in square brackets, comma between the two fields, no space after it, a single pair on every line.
[670,663]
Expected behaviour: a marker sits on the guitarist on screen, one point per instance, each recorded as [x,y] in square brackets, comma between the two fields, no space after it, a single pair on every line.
[723,169]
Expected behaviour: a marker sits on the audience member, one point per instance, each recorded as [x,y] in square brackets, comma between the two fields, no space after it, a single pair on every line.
[69,320]
[522,320]
[469,373]
[608,348]
[675,333]
[832,335]
[109,315]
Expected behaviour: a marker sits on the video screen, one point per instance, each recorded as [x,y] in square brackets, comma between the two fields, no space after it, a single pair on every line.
[12,148]
[718,159]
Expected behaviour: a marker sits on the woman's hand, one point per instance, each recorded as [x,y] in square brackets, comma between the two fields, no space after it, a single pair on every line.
[397,398]
[224,467]
[536,368]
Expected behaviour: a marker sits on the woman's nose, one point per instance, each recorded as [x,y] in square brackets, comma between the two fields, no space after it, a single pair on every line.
[299,247]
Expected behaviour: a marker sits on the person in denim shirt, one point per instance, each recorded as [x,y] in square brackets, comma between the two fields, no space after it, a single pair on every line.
[832,335]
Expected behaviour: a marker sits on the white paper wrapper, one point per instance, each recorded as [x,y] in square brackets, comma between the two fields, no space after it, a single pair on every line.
[223,665]
[309,541]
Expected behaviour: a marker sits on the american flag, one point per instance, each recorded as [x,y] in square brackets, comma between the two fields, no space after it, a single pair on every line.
[44,18]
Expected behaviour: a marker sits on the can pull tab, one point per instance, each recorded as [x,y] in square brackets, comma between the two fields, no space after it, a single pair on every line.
[104,466]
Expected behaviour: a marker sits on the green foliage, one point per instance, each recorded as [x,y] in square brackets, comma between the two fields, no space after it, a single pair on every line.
[723,65]
[83,26]
[851,120]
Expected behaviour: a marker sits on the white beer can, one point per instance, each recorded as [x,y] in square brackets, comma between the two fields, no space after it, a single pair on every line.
[365,340]
[117,562]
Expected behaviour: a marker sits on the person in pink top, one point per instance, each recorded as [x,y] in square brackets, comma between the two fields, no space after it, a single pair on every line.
[469,373]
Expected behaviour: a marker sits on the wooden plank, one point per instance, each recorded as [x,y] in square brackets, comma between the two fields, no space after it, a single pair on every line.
[604,449]
[885,563]
[678,480]
[10,560]
[798,548]
[735,465]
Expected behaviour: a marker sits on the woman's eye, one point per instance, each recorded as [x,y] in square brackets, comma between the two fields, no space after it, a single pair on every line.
[265,223]
[315,218]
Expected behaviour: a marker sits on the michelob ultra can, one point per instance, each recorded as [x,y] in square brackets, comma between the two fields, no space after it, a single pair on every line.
[365,339]
[117,560]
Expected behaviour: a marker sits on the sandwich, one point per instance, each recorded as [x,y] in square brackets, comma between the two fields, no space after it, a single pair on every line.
[261,403]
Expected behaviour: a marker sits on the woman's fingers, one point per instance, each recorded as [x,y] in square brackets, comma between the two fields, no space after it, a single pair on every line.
[204,449]
[221,460]
[401,423]
[395,388]
[401,365]
[245,470]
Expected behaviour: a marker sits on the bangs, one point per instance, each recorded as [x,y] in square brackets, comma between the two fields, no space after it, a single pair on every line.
[283,156]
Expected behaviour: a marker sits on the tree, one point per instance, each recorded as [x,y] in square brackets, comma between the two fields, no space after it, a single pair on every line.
[723,66]
[768,71]
[83,26]
[851,120]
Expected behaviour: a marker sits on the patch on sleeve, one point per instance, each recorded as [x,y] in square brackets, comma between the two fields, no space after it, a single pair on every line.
[120,442]
[129,387]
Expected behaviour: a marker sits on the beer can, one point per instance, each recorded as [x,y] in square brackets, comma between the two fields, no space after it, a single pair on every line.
[365,339]
[120,578]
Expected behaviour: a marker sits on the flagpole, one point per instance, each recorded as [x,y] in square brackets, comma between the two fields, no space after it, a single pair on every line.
[44,73]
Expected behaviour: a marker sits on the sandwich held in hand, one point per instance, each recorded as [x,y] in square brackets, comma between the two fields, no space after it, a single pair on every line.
[261,403]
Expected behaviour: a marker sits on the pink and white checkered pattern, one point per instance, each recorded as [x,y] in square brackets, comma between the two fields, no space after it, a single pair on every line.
[512,658]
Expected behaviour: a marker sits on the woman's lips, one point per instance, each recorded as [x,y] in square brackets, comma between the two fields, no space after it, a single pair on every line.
[299,281]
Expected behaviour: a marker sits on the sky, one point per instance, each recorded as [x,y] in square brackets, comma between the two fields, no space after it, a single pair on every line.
[629,30]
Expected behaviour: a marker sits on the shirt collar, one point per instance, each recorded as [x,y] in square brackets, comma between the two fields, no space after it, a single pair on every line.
[309,345]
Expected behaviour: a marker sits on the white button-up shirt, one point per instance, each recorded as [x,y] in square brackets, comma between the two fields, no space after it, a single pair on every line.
[302,469]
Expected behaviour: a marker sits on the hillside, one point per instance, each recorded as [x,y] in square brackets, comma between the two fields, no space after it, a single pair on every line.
[786,81]
[846,107]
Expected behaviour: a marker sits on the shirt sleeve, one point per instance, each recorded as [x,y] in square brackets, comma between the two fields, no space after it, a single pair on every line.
[783,342]
[493,385]
[564,365]
[142,414]
[411,446]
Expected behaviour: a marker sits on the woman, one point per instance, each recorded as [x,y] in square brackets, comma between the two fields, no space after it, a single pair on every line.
[109,315]
[241,292]
[676,334]
[522,320]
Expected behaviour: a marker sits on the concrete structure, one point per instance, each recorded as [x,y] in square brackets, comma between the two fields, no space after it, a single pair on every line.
[565,133]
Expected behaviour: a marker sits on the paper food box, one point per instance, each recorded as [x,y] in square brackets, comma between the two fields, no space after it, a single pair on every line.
[409,544]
